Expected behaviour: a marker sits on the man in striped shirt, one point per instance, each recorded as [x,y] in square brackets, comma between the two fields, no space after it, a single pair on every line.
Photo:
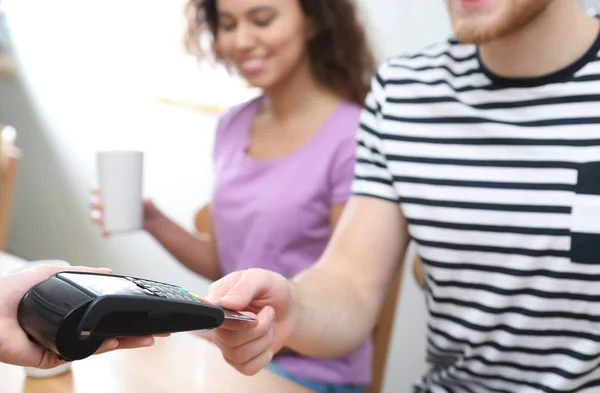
[485,150]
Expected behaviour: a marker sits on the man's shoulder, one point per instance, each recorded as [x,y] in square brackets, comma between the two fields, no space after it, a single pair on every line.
[449,55]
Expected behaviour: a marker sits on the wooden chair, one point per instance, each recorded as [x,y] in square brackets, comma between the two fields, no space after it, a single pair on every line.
[9,158]
[202,221]
[384,328]
[417,268]
[383,331]
[383,334]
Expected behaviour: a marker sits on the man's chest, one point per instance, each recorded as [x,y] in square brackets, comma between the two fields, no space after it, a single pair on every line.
[517,176]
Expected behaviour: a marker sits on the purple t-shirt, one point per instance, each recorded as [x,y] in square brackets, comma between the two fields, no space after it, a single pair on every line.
[275,214]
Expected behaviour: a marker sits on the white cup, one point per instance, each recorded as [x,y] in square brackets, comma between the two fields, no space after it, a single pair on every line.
[120,178]
[33,372]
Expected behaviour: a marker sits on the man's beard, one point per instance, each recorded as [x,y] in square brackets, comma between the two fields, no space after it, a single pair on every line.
[518,15]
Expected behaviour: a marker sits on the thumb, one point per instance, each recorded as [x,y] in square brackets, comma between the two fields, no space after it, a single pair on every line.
[239,290]
[221,287]
[81,269]
[50,270]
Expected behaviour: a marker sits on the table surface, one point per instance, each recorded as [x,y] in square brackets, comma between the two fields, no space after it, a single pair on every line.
[181,363]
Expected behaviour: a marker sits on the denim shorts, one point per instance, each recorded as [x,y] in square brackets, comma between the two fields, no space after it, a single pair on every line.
[316,386]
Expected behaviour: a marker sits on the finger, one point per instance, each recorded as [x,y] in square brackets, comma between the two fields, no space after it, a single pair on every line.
[97,217]
[162,335]
[245,353]
[235,338]
[127,343]
[135,342]
[255,364]
[252,284]
[107,345]
[95,204]
[95,190]
[48,360]
[219,288]
[85,269]
[50,270]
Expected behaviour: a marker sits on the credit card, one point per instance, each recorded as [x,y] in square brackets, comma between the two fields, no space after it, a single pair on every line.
[230,314]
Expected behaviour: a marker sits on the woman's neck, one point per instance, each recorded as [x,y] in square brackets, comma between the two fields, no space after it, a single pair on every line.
[298,94]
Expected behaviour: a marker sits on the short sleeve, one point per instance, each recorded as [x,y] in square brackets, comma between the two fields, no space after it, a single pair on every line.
[227,137]
[221,132]
[342,171]
[372,176]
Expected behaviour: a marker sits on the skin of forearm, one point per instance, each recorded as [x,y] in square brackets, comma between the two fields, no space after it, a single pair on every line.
[195,251]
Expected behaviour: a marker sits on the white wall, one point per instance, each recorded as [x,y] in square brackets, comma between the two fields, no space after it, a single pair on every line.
[87,83]
[406,25]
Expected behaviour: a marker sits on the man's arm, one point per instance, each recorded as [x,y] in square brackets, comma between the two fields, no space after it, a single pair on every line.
[331,308]
[337,301]
[328,310]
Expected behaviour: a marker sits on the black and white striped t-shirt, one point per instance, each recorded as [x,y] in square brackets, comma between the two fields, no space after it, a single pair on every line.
[499,180]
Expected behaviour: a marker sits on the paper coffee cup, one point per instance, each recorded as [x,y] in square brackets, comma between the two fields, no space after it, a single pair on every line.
[120,175]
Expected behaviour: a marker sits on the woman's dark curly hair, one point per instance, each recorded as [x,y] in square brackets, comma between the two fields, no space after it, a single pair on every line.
[339,51]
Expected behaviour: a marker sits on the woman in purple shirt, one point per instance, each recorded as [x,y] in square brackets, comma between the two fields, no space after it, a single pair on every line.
[284,161]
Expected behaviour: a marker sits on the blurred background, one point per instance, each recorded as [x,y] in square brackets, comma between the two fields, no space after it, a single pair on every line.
[78,76]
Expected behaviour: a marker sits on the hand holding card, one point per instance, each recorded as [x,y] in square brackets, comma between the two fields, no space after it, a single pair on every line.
[269,296]
[229,314]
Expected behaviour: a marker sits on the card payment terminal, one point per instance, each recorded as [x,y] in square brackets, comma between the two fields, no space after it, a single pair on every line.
[71,313]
